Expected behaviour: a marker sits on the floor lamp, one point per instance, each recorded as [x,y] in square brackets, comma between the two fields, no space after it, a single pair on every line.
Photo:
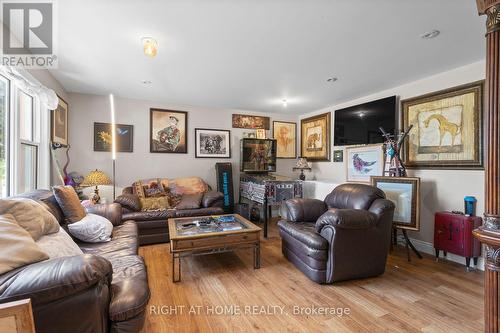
[113,141]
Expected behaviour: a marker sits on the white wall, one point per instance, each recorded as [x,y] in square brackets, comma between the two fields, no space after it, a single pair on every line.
[87,109]
[440,189]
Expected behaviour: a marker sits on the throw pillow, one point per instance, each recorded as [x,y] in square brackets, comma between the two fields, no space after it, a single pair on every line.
[190,201]
[129,201]
[154,189]
[155,204]
[138,189]
[189,185]
[92,229]
[59,244]
[30,215]
[17,247]
[69,202]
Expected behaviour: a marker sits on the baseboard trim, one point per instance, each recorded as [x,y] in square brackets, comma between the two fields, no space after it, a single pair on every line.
[427,247]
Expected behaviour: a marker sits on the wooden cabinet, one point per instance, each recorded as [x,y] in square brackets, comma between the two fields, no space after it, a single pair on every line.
[453,233]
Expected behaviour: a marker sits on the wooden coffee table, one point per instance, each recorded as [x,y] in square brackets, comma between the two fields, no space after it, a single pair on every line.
[211,234]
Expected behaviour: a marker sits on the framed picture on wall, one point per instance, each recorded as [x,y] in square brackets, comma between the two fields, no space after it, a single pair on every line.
[59,123]
[404,192]
[315,137]
[364,162]
[124,137]
[285,134]
[168,131]
[250,122]
[212,143]
[447,129]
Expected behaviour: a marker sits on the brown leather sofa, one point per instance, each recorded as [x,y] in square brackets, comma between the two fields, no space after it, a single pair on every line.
[346,236]
[152,225]
[103,290]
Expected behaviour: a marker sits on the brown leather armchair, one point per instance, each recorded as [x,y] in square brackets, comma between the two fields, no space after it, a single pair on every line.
[346,236]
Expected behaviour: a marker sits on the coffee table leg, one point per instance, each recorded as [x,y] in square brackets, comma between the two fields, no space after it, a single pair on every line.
[176,262]
[256,256]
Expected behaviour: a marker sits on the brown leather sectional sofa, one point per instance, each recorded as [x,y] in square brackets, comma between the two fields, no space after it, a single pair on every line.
[152,225]
[104,290]
[346,236]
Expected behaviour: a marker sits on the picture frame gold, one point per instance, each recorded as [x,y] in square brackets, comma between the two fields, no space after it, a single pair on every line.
[315,134]
[447,128]
[285,133]
[59,123]
[397,189]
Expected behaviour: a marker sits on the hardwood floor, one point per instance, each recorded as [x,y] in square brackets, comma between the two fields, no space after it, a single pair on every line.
[420,296]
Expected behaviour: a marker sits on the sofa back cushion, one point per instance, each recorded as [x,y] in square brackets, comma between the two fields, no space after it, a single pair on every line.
[353,196]
[189,185]
[47,199]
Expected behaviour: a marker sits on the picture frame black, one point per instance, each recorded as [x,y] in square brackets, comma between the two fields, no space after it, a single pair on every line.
[223,134]
[158,118]
[101,143]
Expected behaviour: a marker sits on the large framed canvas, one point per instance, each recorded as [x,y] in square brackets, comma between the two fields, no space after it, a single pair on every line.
[285,134]
[315,137]
[364,162]
[405,193]
[59,133]
[250,122]
[124,135]
[168,131]
[212,143]
[447,128]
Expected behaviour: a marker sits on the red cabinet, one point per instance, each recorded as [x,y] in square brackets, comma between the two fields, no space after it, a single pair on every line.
[453,233]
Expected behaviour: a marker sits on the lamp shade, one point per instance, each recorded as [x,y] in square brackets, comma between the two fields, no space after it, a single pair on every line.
[95,178]
[302,164]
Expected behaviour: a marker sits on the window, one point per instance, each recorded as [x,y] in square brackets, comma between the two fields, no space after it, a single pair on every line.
[4,135]
[28,139]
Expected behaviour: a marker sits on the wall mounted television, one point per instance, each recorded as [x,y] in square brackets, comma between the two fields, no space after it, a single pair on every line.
[258,155]
[360,124]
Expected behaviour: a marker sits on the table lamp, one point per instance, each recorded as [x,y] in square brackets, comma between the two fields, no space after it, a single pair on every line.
[96,178]
[302,165]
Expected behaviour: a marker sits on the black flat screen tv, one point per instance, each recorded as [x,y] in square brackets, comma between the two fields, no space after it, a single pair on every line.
[360,124]
[258,155]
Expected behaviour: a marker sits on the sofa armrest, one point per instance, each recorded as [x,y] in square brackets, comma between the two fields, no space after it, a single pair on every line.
[112,212]
[129,201]
[212,199]
[55,279]
[346,219]
[303,210]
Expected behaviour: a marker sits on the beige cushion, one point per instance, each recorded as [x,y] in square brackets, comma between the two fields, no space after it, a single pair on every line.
[188,185]
[70,203]
[30,215]
[155,204]
[17,247]
[59,244]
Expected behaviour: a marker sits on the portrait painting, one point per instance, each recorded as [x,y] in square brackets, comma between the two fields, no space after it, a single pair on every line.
[60,123]
[404,192]
[124,136]
[168,131]
[364,162]
[315,137]
[250,122]
[447,128]
[212,143]
[285,134]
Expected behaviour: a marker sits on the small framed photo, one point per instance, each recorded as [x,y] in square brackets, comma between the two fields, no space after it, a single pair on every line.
[261,133]
[212,143]
[338,156]
[364,162]
[405,193]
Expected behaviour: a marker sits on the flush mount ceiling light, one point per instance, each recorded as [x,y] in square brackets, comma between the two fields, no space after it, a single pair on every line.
[430,34]
[285,103]
[332,79]
[150,46]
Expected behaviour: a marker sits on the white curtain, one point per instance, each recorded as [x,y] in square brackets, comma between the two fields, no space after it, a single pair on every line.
[27,82]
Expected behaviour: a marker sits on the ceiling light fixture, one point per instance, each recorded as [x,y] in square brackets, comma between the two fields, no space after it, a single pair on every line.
[332,79]
[150,46]
[430,34]
[285,103]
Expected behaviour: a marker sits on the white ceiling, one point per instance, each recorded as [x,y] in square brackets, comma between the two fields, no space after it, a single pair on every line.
[250,54]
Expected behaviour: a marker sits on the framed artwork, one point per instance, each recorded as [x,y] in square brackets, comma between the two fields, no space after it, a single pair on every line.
[364,162]
[338,156]
[285,134]
[447,128]
[249,135]
[405,193]
[124,137]
[59,133]
[212,143]
[168,131]
[250,122]
[315,137]
[260,133]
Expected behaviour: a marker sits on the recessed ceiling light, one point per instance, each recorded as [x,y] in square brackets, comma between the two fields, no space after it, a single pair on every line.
[146,82]
[430,34]
[332,79]
[285,103]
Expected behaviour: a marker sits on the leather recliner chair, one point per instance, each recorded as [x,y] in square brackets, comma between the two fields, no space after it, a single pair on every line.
[346,236]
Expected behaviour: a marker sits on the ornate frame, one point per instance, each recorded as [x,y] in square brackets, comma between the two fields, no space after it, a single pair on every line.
[326,156]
